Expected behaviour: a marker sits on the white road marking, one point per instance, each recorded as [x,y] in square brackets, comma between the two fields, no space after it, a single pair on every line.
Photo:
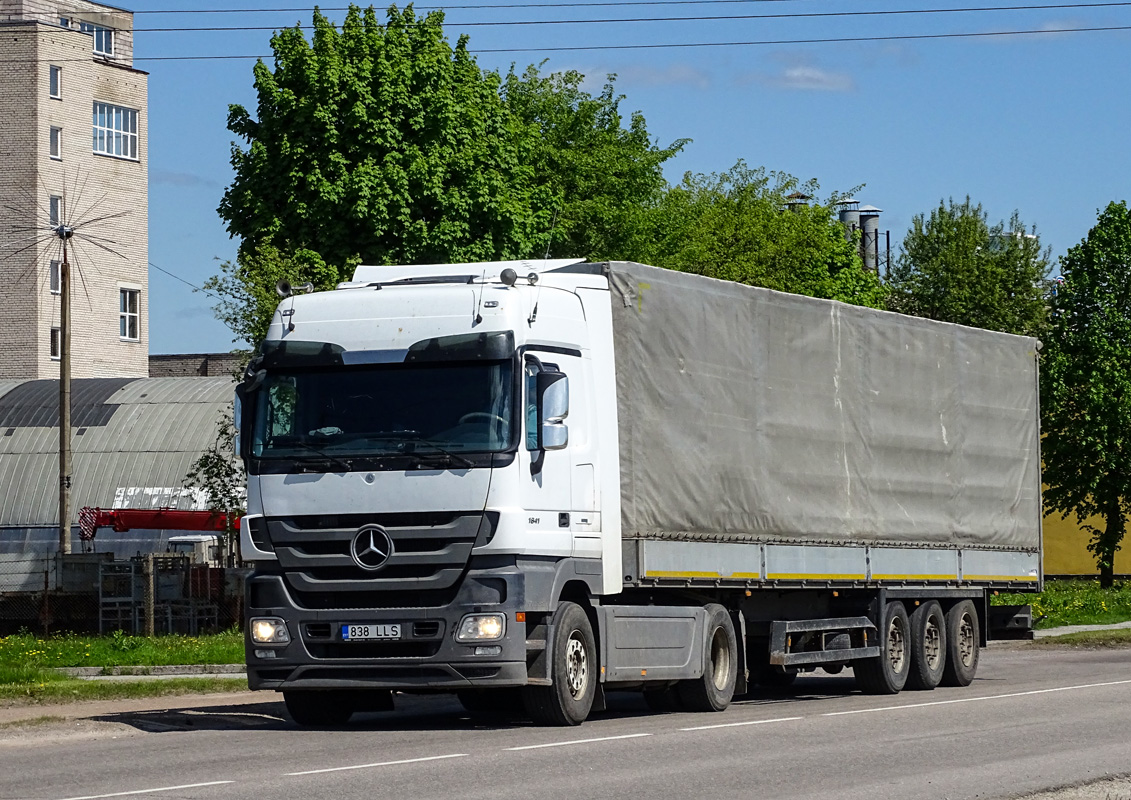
[976,699]
[378,764]
[738,724]
[580,741]
[148,791]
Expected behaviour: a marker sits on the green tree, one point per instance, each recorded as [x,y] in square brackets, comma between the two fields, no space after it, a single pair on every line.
[382,143]
[735,226]
[954,266]
[246,286]
[1086,387]
[597,173]
[219,474]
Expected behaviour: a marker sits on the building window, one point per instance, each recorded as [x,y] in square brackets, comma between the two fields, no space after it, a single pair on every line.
[57,143]
[56,344]
[103,38]
[53,278]
[128,314]
[55,206]
[115,131]
[56,81]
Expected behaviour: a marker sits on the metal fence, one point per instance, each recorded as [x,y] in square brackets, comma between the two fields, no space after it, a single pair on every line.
[96,593]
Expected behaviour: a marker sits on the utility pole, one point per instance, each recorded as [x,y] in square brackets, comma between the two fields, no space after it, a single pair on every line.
[64,232]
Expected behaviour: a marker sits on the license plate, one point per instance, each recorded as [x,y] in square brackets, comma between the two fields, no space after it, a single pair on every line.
[364,633]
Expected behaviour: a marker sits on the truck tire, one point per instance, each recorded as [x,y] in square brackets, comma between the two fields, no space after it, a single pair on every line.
[928,646]
[887,673]
[714,690]
[963,644]
[569,699]
[318,709]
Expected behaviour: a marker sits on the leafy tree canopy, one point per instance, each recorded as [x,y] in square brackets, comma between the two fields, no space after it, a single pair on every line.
[1086,386]
[956,267]
[735,226]
[597,172]
[382,142]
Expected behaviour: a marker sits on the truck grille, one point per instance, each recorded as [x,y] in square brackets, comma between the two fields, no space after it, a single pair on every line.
[430,553]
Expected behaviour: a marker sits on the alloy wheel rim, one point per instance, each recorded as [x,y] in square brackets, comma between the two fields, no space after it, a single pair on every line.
[577,665]
[720,659]
[966,640]
[932,645]
[897,646]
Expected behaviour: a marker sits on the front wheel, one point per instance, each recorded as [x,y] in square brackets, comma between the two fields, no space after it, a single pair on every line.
[569,699]
[715,689]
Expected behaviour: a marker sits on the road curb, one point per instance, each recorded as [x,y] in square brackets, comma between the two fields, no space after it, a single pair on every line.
[168,670]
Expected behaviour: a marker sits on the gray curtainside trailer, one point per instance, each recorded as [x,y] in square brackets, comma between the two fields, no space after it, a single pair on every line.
[535,482]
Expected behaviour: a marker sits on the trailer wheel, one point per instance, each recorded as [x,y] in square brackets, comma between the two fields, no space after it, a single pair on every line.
[928,646]
[715,689]
[573,654]
[317,709]
[887,673]
[963,643]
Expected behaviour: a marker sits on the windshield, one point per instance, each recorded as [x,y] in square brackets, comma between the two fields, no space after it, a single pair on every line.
[378,410]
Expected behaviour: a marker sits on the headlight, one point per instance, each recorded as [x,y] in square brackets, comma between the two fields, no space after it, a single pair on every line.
[269,630]
[481,627]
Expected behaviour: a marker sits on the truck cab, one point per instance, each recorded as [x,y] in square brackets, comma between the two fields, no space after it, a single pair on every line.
[425,477]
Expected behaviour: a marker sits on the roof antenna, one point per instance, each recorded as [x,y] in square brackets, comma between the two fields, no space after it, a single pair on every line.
[479,305]
[550,238]
[533,276]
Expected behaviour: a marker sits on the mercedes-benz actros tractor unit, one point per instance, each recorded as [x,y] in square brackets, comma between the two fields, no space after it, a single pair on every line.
[532,483]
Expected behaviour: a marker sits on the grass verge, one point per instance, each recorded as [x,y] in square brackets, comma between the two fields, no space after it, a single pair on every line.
[25,650]
[67,690]
[1074,603]
[1120,637]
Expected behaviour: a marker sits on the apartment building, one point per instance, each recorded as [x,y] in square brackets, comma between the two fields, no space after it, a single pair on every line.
[73,151]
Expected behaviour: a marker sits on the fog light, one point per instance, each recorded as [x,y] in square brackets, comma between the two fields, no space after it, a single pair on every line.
[265,654]
[489,650]
[269,630]
[479,627]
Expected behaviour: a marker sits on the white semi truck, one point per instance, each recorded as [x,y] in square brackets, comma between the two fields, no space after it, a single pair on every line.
[537,482]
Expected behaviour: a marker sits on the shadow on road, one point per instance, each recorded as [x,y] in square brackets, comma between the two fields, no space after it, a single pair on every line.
[436,712]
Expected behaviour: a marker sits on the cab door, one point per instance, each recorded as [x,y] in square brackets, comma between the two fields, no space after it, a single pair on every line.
[545,460]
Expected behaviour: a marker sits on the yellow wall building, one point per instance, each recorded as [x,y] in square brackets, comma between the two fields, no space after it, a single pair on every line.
[1066,548]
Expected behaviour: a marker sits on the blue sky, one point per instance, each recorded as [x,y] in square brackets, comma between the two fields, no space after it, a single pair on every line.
[1038,123]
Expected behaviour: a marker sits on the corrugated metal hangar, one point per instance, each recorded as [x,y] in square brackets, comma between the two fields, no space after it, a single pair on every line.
[134,440]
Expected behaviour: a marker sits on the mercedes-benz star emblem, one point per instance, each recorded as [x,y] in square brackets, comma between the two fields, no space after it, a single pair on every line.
[371,547]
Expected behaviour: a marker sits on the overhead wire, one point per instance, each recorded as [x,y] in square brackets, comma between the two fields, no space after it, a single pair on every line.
[659,46]
[182,280]
[701,18]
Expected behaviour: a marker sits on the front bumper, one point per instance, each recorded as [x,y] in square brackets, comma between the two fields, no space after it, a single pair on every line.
[426,656]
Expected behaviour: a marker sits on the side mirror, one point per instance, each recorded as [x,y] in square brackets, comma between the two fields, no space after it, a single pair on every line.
[242,423]
[553,408]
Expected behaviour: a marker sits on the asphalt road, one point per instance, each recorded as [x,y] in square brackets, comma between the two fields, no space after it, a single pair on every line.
[1034,719]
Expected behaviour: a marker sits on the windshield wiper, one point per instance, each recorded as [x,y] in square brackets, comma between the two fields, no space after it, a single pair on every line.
[340,462]
[414,438]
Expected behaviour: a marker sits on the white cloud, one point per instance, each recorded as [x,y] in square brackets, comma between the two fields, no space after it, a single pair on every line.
[809,78]
[671,75]
[636,75]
